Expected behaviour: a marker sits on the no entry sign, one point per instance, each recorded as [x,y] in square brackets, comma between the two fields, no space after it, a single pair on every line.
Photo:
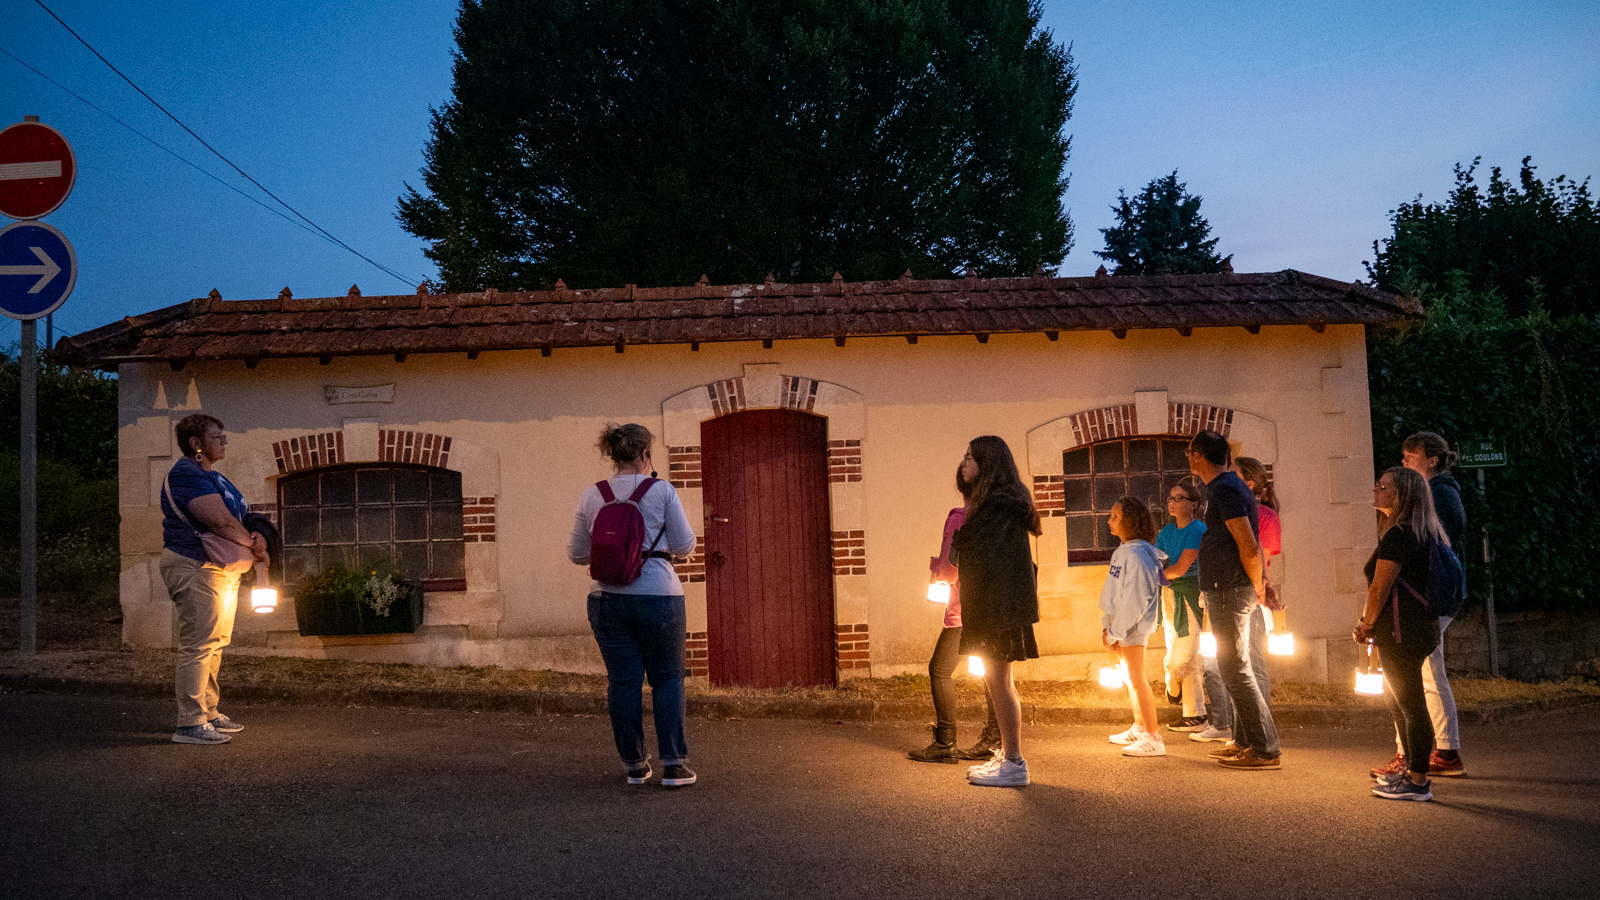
[37,170]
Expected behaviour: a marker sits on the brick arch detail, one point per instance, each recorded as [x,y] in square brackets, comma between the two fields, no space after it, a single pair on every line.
[762,386]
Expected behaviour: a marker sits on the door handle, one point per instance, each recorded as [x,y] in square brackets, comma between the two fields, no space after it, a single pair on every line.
[719,519]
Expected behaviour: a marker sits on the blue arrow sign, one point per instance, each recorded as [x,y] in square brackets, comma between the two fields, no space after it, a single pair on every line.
[37,270]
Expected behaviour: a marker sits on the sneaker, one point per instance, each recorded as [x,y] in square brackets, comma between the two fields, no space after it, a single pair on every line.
[1404,789]
[1396,766]
[1008,774]
[1390,777]
[1210,733]
[1450,768]
[1189,724]
[1227,751]
[1127,737]
[226,725]
[1249,760]
[640,773]
[679,775]
[199,734]
[994,761]
[1175,699]
[1148,744]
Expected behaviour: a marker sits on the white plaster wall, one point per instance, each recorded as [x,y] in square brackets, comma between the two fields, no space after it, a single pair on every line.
[1304,394]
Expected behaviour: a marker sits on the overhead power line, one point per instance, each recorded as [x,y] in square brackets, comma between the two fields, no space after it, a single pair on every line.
[256,200]
[218,153]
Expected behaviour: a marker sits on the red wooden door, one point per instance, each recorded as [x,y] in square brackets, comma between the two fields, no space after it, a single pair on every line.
[769,561]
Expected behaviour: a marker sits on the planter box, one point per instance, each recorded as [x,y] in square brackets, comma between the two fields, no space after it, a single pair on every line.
[322,616]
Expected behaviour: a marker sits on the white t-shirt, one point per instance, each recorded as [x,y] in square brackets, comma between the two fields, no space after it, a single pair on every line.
[659,506]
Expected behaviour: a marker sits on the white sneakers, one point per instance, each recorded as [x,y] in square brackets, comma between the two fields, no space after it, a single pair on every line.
[1212,734]
[999,772]
[1148,744]
[1127,737]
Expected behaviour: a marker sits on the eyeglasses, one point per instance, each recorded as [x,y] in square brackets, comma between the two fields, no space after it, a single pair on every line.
[1174,498]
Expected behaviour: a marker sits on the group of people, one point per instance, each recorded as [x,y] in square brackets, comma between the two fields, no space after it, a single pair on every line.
[1214,565]
[1209,564]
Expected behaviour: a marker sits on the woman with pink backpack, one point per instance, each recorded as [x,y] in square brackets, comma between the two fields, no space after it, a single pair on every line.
[627,530]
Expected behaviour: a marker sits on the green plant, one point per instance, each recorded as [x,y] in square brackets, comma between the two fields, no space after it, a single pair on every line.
[377,587]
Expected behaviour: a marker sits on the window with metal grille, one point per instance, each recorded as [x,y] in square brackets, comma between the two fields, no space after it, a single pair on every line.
[1096,476]
[357,515]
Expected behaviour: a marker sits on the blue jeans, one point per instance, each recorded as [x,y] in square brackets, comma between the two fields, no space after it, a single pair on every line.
[642,636]
[1221,708]
[1231,611]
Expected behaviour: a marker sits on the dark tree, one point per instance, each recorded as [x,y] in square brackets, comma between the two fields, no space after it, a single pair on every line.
[1160,232]
[651,141]
[1501,239]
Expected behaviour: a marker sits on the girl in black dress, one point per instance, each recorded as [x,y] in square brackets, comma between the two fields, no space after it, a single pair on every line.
[999,600]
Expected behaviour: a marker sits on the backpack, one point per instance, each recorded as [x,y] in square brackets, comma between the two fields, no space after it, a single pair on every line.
[616,542]
[1447,583]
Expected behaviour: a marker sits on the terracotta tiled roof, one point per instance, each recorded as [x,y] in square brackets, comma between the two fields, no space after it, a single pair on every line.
[211,328]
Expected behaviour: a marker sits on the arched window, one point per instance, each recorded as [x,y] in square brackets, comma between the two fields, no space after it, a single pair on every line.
[1096,476]
[358,514]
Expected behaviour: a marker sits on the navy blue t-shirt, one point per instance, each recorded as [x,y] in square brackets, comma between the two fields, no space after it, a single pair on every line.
[188,481]
[1227,497]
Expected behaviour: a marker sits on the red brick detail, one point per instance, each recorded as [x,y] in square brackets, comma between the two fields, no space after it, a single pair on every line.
[726,396]
[851,646]
[844,461]
[270,510]
[683,467]
[799,393]
[1048,496]
[477,520]
[694,570]
[696,654]
[1104,424]
[417,447]
[1193,418]
[309,452]
[849,553]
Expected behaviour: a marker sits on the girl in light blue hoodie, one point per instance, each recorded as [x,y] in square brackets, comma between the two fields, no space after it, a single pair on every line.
[1130,605]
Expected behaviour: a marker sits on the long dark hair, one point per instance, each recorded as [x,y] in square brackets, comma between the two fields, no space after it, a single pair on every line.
[1413,507]
[998,477]
[1251,469]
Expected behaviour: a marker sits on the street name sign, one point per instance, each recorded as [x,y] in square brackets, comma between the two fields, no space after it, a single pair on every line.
[1481,454]
[37,170]
[37,269]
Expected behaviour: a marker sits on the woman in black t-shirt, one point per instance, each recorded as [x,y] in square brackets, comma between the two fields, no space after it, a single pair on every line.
[1399,625]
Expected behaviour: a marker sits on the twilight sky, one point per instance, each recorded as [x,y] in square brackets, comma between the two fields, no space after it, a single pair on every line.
[1300,124]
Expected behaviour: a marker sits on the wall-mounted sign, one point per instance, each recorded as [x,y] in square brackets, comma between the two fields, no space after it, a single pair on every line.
[380,393]
[1481,454]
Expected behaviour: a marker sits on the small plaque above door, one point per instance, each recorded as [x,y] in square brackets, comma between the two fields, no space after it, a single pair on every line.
[380,393]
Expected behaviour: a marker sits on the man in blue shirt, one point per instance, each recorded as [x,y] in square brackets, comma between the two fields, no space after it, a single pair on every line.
[1232,583]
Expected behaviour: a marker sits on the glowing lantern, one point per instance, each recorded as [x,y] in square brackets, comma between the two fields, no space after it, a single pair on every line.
[975,666]
[939,592]
[263,598]
[1281,643]
[1113,676]
[1208,645]
[1369,679]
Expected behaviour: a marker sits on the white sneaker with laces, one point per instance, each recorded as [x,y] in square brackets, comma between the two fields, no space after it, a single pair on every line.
[989,765]
[1129,736]
[1148,744]
[1007,774]
[1212,734]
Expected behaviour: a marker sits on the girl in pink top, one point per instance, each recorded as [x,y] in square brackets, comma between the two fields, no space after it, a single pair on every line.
[946,658]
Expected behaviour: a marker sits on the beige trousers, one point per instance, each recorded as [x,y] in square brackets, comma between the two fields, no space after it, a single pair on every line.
[207,600]
[1182,664]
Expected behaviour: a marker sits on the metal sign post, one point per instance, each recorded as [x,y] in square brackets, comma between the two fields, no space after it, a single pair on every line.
[1481,455]
[37,271]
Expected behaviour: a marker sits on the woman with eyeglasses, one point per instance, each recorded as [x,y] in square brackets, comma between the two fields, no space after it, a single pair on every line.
[999,595]
[1180,605]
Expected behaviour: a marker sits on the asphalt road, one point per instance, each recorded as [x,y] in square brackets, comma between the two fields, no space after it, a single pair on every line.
[393,803]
